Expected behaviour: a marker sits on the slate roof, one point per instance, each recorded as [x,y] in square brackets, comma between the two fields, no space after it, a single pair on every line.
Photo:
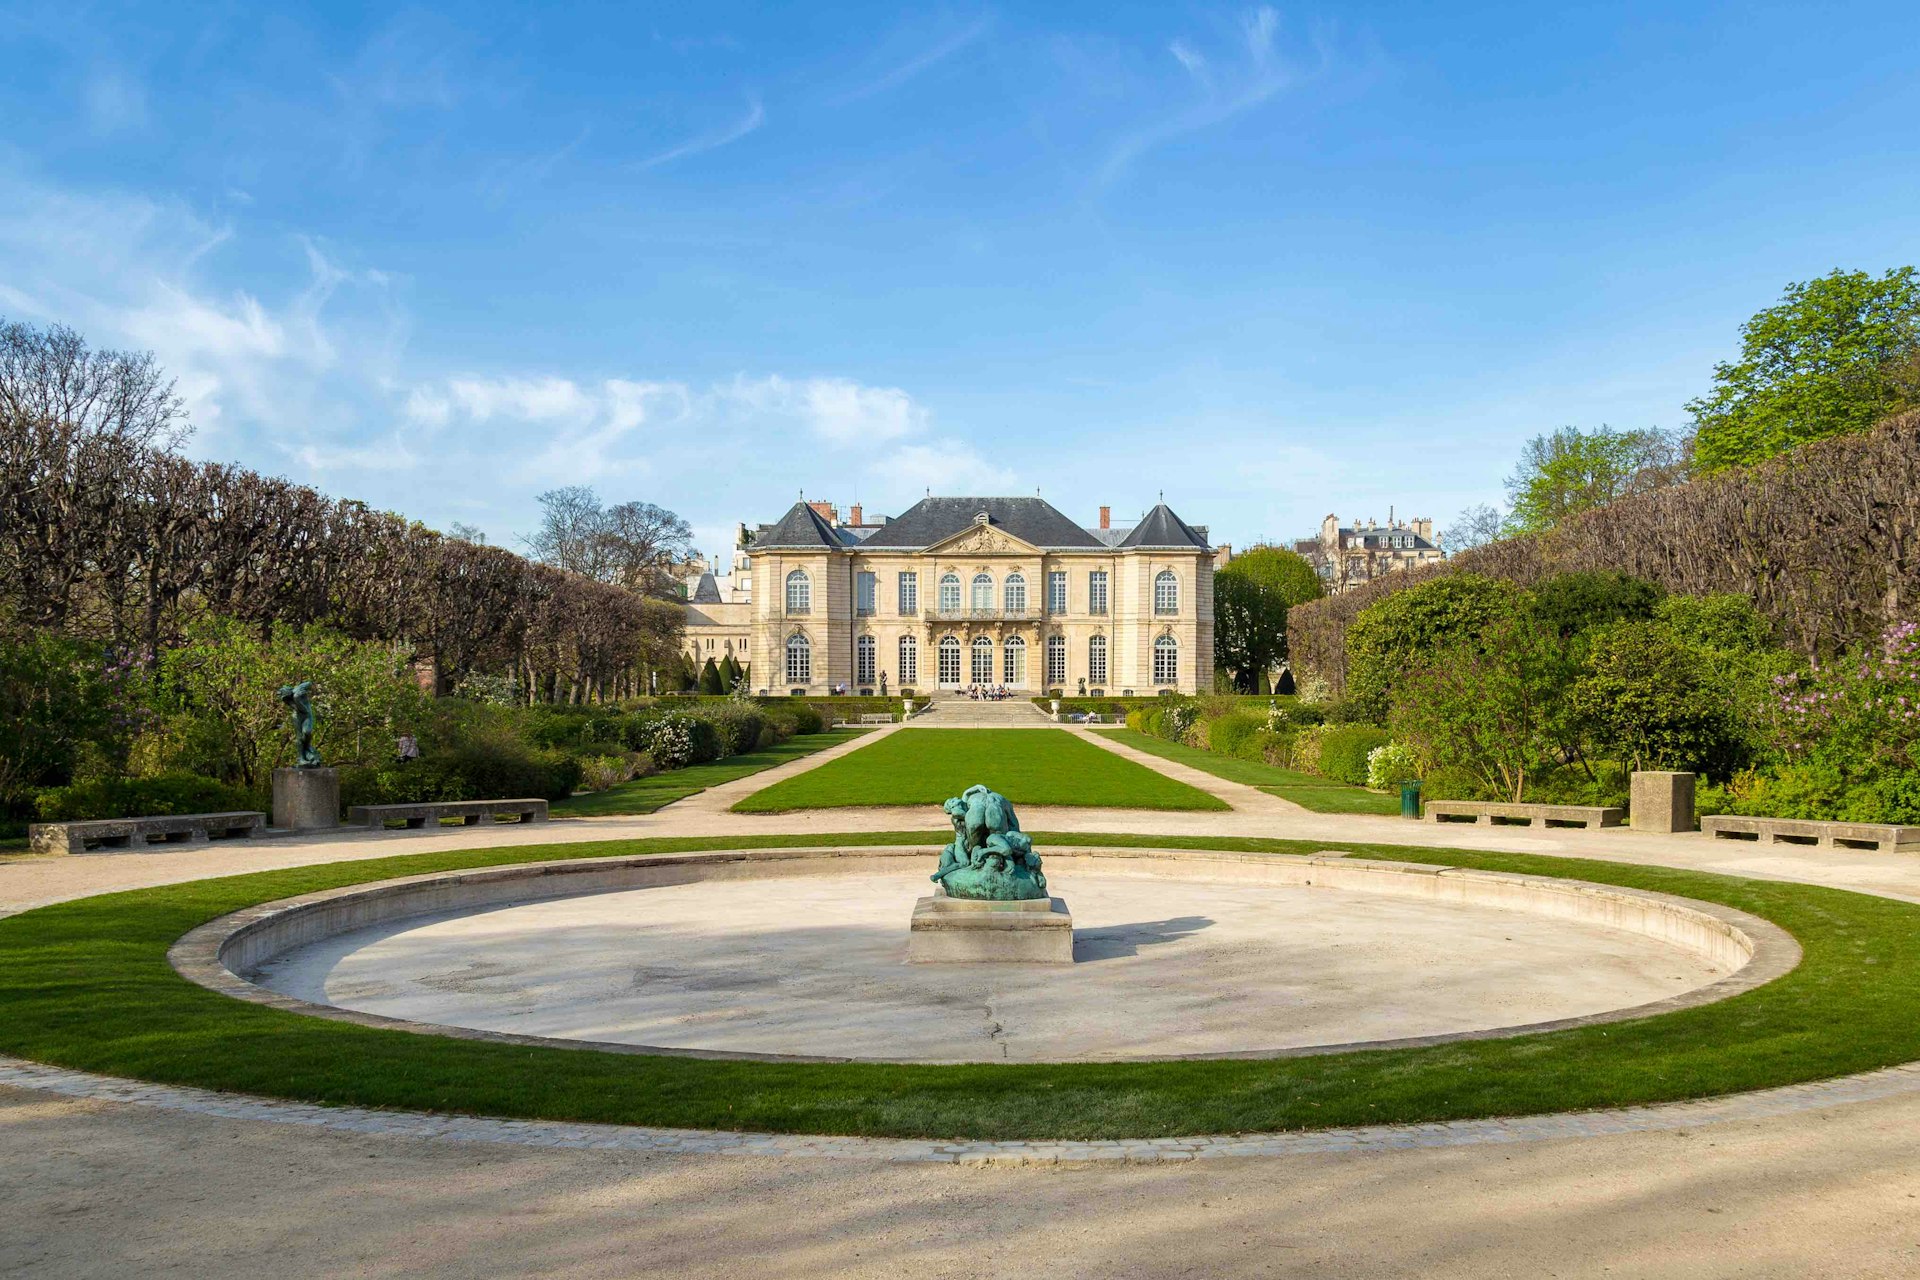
[1032,520]
[1161,528]
[707,591]
[802,526]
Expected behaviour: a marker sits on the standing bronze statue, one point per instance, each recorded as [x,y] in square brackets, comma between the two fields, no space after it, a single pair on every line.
[299,700]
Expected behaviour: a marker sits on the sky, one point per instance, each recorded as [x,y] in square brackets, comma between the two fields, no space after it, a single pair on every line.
[1270,262]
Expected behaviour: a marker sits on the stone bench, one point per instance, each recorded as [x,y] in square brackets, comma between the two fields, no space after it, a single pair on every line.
[1802,831]
[428,815]
[876,717]
[1492,813]
[102,834]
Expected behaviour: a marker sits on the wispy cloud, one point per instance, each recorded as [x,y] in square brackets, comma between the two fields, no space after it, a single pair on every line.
[714,139]
[1255,73]
[939,51]
[115,100]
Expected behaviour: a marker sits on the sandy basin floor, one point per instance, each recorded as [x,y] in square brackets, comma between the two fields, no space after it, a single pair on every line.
[815,966]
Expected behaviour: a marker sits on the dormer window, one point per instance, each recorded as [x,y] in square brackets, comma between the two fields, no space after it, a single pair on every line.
[981,518]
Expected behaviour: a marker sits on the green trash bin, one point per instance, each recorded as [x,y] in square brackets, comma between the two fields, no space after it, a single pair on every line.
[1410,798]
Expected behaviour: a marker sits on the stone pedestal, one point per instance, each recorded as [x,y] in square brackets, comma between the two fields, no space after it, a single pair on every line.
[968,931]
[306,799]
[1662,802]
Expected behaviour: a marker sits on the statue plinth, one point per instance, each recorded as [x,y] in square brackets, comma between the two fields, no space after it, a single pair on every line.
[306,799]
[948,930]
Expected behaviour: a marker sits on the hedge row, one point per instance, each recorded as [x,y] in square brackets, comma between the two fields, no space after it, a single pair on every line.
[1822,539]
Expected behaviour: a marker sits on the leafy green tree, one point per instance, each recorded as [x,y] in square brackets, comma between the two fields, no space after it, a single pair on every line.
[710,678]
[1836,354]
[729,674]
[1251,597]
[220,716]
[1573,603]
[1570,471]
[59,701]
[1651,701]
[1487,703]
[1407,627]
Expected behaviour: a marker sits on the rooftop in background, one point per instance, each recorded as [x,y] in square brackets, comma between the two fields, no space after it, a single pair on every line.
[931,520]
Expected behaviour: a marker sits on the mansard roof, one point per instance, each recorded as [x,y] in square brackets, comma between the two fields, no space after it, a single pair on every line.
[706,590]
[931,520]
[802,526]
[1161,528]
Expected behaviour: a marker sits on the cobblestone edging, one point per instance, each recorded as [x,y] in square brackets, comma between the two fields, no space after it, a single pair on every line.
[1759,1105]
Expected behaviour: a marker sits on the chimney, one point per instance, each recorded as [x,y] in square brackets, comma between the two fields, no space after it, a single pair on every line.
[854,518]
[826,511]
[1106,517]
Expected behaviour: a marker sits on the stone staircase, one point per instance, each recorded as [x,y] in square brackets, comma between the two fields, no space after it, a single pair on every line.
[948,711]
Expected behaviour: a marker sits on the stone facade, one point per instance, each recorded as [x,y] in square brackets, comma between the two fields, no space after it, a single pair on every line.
[720,609]
[973,579]
[1350,557]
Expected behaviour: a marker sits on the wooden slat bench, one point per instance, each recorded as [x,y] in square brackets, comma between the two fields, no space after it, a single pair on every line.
[101,835]
[1493,813]
[428,815]
[1803,831]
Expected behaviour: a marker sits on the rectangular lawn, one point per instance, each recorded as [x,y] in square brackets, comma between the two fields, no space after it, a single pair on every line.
[649,795]
[1027,766]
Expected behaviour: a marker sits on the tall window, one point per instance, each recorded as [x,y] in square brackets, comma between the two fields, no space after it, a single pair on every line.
[799,660]
[863,660]
[1016,593]
[1057,591]
[950,660]
[865,588]
[910,662]
[1166,592]
[1166,660]
[909,593]
[1097,591]
[799,592]
[1015,666]
[982,593]
[1097,660]
[1056,660]
[982,660]
[950,594]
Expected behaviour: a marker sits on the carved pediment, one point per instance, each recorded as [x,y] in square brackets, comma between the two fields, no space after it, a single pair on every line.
[983,540]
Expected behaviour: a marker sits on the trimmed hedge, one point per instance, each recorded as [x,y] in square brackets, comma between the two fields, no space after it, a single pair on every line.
[161,795]
[1344,751]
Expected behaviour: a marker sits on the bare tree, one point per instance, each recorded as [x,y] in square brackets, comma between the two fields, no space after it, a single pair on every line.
[51,375]
[572,531]
[634,545]
[1474,527]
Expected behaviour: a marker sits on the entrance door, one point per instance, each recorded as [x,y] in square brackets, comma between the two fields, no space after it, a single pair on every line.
[982,660]
[949,662]
[1014,671]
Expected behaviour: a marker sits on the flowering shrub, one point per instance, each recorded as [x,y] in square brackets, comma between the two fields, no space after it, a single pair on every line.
[670,741]
[1390,765]
[1860,713]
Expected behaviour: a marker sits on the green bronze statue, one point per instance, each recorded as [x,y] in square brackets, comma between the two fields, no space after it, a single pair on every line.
[990,856]
[299,700]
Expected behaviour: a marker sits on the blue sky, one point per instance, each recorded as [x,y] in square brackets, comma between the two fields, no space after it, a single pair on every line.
[1275,262]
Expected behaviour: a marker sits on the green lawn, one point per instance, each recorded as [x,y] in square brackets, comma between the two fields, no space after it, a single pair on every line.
[1309,791]
[1027,766]
[86,984]
[646,795]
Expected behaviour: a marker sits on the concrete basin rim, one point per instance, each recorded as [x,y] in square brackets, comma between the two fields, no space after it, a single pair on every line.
[206,955]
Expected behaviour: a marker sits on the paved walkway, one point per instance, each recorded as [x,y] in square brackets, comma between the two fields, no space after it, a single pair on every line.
[1814,1180]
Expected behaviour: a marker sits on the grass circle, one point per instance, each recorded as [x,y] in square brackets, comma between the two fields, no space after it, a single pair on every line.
[86,984]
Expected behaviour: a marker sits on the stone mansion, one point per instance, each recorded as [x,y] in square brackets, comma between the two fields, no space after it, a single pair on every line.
[962,591]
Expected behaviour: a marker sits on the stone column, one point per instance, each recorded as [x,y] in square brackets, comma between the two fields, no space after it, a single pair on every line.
[1663,802]
[306,799]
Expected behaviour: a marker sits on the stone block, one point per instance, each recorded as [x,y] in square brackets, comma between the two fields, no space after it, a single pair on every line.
[306,799]
[1662,802]
[968,931]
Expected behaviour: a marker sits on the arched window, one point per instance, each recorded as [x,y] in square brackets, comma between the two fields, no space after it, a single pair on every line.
[1166,592]
[950,594]
[1014,669]
[982,592]
[1166,660]
[799,659]
[982,660]
[949,672]
[910,662]
[1097,660]
[863,660]
[1016,593]
[1056,660]
[799,592]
